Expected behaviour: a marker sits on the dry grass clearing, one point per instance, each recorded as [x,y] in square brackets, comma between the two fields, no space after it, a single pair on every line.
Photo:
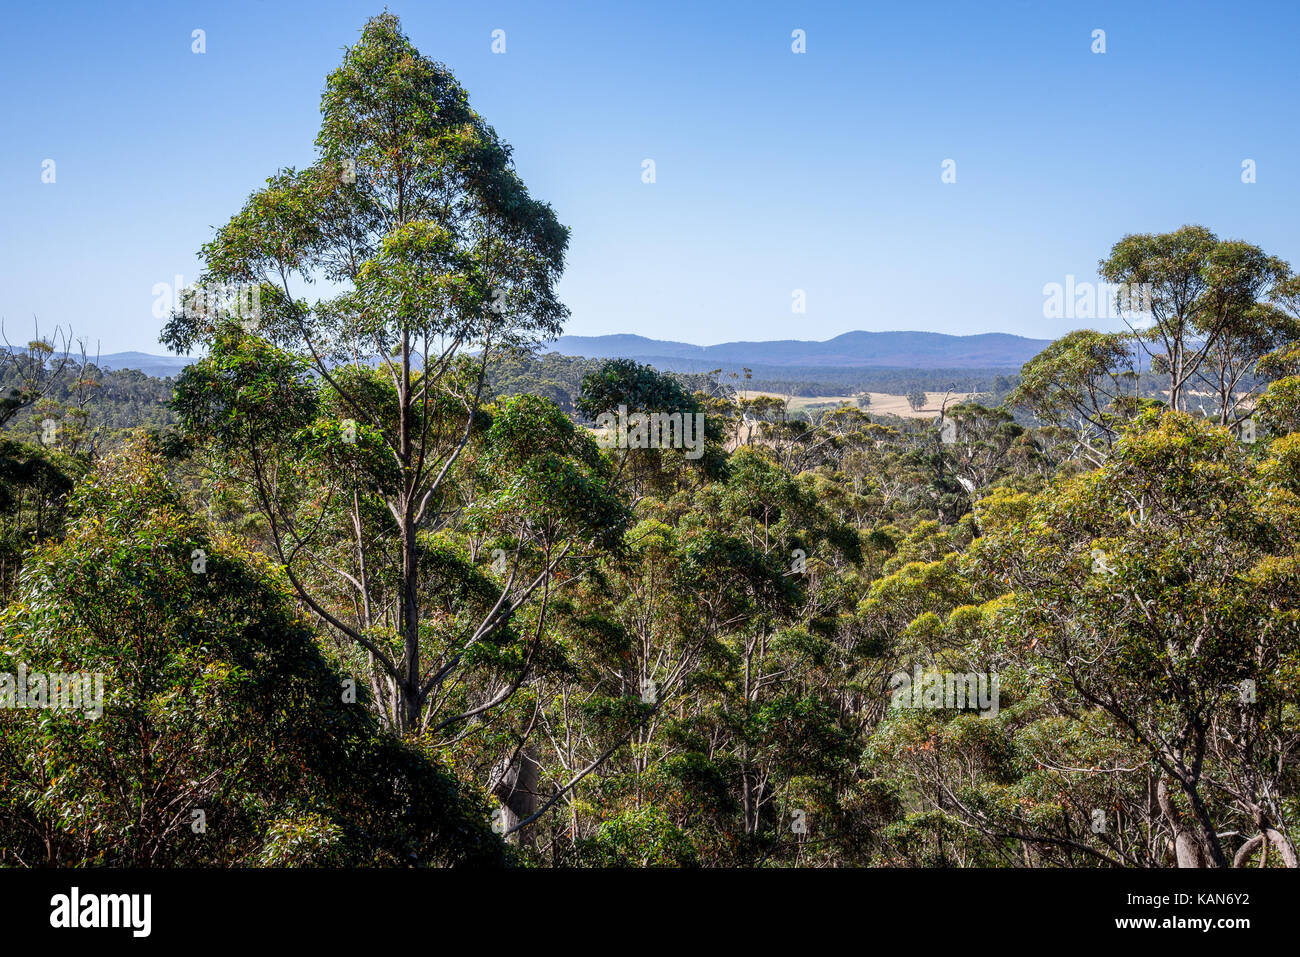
[882,403]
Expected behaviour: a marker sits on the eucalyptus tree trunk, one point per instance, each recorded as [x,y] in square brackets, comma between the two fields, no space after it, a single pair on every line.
[514,783]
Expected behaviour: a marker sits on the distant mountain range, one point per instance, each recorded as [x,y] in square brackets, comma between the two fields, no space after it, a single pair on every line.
[161,366]
[864,350]
[852,350]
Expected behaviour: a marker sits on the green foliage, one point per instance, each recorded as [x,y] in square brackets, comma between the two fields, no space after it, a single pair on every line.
[643,838]
[34,483]
[215,700]
[638,387]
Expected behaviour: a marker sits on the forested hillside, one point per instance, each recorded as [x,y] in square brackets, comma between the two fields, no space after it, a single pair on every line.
[375,583]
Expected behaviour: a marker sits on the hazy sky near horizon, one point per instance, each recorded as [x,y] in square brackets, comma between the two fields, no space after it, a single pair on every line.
[774,171]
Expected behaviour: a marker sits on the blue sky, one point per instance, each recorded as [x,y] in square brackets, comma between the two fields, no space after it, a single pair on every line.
[775,171]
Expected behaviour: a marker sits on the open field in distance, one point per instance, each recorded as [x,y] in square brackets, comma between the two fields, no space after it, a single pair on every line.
[882,403]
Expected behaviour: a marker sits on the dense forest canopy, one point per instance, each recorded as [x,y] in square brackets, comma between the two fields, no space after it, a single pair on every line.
[371,583]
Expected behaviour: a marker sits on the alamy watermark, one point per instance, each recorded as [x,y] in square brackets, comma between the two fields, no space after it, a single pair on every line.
[75,909]
[74,691]
[1096,300]
[241,301]
[652,430]
[937,690]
